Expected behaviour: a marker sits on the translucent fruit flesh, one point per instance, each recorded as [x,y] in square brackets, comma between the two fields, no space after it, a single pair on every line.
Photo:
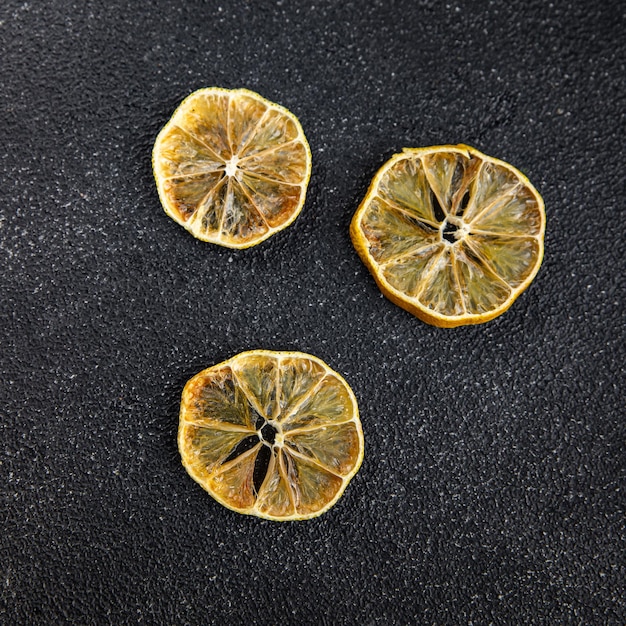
[271,434]
[450,234]
[232,167]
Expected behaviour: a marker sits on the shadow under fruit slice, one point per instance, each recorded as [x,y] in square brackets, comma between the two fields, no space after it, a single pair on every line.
[272,434]
[450,234]
[231,166]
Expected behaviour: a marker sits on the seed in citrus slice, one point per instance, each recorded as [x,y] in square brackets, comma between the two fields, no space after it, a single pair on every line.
[450,234]
[231,166]
[271,434]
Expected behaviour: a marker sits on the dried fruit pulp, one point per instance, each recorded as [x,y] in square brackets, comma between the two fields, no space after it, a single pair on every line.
[232,167]
[450,234]
[272,434]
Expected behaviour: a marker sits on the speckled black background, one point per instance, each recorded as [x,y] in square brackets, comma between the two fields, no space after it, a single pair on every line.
[492,490]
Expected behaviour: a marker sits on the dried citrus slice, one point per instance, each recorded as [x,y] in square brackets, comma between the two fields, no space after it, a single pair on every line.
[272,434]
[231,166]
[450,234]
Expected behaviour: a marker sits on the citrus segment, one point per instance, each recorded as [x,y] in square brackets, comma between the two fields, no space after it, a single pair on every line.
[443,176]
[493,183]
[182,154]
[273,130]
[191,191]
[450,234]
[329,446]
[275,201]
[286,164]
[406,187]
[276,496]
[312,484]
[440,289]
[244,119]
[231,166]
[213,445]
[241,221]
[272,434]
[330,401]
[394,232]
[218,400]
[404,274]
[206,120]
[256,376]
[510,215]
[483,291]
[297,378]
[234,481]
[508,257]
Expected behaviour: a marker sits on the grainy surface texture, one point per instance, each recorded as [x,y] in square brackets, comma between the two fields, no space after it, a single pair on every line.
[492,489]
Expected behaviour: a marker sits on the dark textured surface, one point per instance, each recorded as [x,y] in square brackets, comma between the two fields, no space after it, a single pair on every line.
[493,484]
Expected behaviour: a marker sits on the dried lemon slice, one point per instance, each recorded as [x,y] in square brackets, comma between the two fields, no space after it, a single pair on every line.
[450,234]
[232,167]
[272,434]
